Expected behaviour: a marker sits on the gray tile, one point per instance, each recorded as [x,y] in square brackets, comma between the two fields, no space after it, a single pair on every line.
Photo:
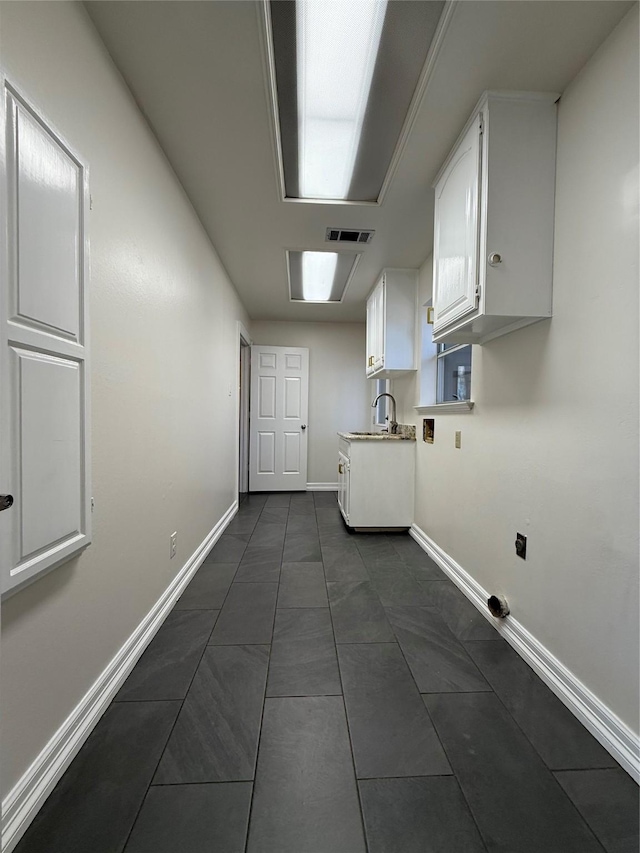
[303,655]
[275,515]
[438,662]
[258,572]
[302,585]
[243,523]
[167,666]
[228,549]
[302,509]
[395,585]
[305,798]
[560,739]
[378,552]
[193,818]
[342,562]
[302,497]
[259,554]
[278,499]
[358,616]
[301,548]
[381,557]
[302,525]
[268,535]
[329,517]
[609,802]
[108,778]
[418,815]
[208,588]
[253,500]
[462,617]
[391,732]
[419,563]
[516,802]
[247,615]
[325,499]
[334,535]
[215,738]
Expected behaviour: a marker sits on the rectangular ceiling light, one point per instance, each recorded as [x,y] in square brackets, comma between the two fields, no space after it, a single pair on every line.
[319,276]
[345,72]
[336,43]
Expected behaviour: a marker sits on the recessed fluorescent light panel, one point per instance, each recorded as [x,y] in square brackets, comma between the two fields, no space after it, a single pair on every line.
[345,74]
[319,276]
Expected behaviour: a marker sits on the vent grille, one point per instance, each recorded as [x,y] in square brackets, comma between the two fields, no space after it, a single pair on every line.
[344,235]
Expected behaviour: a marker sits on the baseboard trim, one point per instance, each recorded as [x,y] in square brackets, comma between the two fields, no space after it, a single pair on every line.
[614,735]
[322,487]
[23,802]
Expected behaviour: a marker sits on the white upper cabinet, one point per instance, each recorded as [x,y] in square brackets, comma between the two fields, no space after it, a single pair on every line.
[494,208]
[391,320]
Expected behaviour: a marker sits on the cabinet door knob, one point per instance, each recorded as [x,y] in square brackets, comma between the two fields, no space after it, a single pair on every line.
[495,258]
[304,426]
[6,501]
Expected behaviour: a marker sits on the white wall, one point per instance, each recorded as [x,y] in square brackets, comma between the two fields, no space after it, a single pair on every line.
[339,393]
[551,449]
[163,322]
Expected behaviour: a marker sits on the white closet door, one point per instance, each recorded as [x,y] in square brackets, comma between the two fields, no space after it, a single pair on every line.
[279,408]
[456,236]
[44,405]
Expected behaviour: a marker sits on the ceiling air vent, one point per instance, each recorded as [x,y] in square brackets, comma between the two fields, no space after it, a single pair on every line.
[342,235]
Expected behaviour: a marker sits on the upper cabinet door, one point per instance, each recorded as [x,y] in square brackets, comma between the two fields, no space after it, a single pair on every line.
[456,237]
[379,325]
[371,332]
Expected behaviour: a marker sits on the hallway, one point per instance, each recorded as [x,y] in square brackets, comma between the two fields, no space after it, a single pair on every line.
[241,728]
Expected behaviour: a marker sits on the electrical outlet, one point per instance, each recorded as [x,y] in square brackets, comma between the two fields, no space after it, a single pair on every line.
[173,545]
[521,545]
[458,439]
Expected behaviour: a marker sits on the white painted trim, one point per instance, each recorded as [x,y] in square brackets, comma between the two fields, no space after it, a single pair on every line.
[614,735]
[459,408]
[267,51]
[418,96]
[23,802]
[322,487]
[243,339]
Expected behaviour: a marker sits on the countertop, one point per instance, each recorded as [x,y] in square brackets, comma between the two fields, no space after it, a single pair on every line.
[378,436]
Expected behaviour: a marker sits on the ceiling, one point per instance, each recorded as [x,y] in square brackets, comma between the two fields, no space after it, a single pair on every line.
[198,73]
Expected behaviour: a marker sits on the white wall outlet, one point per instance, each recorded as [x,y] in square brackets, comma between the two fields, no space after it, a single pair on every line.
[174,544]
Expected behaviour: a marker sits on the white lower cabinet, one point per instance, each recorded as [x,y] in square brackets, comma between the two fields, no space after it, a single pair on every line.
[376,481]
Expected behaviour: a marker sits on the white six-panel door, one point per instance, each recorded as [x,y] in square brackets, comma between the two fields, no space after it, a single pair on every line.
[44,406]
[279,408]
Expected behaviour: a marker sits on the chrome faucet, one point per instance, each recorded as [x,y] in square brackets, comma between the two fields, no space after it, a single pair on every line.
[393,423]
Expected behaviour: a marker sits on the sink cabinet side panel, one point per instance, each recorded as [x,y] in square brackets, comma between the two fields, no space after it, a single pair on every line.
[381,483]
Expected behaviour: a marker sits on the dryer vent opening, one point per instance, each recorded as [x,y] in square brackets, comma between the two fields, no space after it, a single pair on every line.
[498,606]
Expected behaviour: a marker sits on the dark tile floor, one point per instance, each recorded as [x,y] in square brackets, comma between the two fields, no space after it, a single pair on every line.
[316,691]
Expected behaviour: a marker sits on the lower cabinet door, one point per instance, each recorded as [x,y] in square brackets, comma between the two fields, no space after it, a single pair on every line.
[343,485]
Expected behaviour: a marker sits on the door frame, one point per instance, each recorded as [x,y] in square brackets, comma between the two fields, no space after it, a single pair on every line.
[243,398]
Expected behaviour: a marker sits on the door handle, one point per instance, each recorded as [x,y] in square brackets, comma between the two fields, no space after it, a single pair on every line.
[304,426]
[6,501]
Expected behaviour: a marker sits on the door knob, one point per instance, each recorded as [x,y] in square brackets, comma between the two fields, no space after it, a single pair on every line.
[304,426]
[6,501]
